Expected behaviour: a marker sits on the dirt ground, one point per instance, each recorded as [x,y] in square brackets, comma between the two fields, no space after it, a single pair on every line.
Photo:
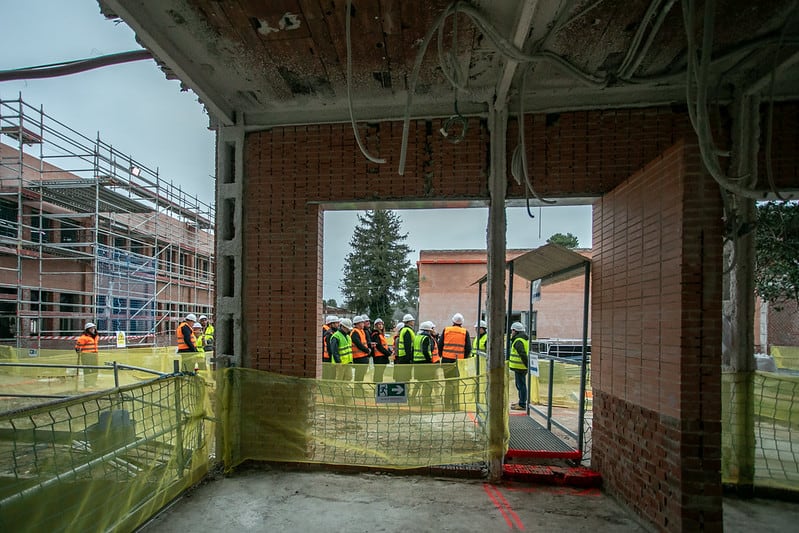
[264,499]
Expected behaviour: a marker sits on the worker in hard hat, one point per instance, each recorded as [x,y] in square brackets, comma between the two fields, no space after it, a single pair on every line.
[341,349]
[88,354]
[187,342]
[199,358]
[360,348]
[518,361]
[395,340]
[404,352]
[455,345]
[328,329]
[480,342]
[425,354]
[207,334]
[382,351]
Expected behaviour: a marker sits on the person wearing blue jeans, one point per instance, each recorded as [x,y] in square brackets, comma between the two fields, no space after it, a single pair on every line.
[518,361]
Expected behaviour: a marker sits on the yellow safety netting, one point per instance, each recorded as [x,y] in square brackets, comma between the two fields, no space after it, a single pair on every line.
[58,381]
[770,400]
[414,417]
[104,461]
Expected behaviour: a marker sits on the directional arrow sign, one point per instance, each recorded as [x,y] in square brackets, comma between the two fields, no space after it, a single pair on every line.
[391,393]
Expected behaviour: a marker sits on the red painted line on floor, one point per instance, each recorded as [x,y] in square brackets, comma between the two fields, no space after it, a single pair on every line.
[510,516]
[510,510]
[487,488]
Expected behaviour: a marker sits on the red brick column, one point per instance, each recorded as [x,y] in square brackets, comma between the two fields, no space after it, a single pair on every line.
[656,342]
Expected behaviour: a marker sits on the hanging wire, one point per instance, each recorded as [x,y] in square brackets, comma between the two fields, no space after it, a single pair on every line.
[506,48]
[457,123]
[362,148]
[519,169]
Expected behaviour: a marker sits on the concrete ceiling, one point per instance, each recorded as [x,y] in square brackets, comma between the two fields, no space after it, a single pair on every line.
[282,62]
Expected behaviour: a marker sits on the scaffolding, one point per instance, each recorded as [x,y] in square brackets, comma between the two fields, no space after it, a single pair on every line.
[89,234]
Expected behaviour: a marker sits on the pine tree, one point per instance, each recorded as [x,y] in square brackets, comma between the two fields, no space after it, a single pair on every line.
[375,269]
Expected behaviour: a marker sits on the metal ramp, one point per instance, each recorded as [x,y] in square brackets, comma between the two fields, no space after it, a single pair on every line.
[529,439]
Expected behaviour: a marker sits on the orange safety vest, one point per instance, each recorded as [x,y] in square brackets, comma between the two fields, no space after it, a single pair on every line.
[357,353]
[381,338]
[86,343]
[325,355]
[434,350]
[454,342]
[181,343]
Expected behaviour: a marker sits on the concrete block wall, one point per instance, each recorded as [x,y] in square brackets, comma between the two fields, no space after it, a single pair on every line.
[656,343]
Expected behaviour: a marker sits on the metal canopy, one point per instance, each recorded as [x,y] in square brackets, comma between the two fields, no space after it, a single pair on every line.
[551,263]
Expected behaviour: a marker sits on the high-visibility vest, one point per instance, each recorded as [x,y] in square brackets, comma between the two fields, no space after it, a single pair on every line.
[401,346]
[381,338]
[181,343]
[199,344]
[86,343]
[344,348]
[325,354]
[515,361]
[207,336]
[418,354]
[454,342]
[357,353]
[480,342]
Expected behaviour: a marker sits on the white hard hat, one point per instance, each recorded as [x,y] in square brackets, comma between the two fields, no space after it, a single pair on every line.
[203,317]
[426,325]
[366,318]
[331,318]
[90,325]
[457,318]
[346,323]
[356,319]
[518,326]
[481,324]
[408,318]
[378,320]
[191,317]
[197,325]
[399,326]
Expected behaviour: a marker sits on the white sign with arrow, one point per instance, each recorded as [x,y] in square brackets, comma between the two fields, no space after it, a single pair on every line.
[391,393]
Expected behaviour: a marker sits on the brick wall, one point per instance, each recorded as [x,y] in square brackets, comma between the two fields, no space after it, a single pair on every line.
[656,343]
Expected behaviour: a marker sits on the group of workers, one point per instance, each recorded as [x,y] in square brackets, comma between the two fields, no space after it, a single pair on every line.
[194,336]
[346,341]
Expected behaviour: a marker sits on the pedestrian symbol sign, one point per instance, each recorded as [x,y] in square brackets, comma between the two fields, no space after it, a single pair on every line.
[391,393]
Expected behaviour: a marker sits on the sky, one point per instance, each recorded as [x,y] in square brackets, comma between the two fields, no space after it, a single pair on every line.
[142,114]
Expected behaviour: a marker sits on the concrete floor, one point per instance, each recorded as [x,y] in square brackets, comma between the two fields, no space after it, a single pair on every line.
[264,499]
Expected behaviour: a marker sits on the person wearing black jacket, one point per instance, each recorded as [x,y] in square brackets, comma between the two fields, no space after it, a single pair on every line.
[382,351]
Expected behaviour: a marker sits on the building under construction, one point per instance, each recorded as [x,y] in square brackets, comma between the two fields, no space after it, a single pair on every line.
[88,233]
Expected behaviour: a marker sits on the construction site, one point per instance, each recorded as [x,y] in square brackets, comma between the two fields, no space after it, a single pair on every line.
[89,234]
[673,120]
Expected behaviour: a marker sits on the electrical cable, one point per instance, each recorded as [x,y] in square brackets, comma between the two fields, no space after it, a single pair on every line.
[632,51]
[365,153]
[644,50]
[502,45]
[519,168]
[698,114]
[73,67]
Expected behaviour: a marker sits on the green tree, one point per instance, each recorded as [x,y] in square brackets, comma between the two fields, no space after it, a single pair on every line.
[331,302]
[568,240]
[375,269]
[777,252]
[409,301]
